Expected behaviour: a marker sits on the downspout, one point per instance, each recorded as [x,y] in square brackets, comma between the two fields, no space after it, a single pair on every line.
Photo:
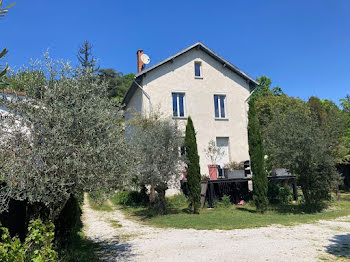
[145,93]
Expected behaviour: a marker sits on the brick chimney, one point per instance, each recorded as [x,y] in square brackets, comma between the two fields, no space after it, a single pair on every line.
[139,61]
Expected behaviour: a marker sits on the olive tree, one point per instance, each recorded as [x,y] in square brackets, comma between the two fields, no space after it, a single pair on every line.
[65,138]
[155,143]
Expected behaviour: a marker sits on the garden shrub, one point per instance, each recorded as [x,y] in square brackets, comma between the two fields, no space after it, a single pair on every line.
[128,198]
[272,193]
[279,194]
[284,195]
[176,201]
[36,247]
[226,202]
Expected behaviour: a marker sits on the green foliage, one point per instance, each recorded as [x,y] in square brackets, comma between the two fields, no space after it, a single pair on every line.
[155,143]
[23,79]
[345,104]
[213,152]
[116,81]
[279,194]
[267,105]
[332,121]
[272,193]
[264,89]
[86,59]
[295,140]
[128,198]
[67,221]
[193,169]
[256,153]
[37,246]
[98,196]
[3,11]
[226,201]
[68,139]
[284,195]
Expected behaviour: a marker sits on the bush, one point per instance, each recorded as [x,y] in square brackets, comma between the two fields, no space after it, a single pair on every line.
[225,202]
[272,193]
[36,247]
[284,195]
[98,196]
[176,201]
[128,198]
[278,194]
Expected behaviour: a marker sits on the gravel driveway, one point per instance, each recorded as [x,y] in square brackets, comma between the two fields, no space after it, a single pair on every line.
[322,241]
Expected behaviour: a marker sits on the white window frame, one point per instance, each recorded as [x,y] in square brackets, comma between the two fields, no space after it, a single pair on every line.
[178,104]
[219,107]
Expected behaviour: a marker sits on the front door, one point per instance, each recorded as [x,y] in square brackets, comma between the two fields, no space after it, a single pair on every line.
[222,143]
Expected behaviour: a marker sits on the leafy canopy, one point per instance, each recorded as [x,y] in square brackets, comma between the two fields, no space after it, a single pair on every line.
[65,138]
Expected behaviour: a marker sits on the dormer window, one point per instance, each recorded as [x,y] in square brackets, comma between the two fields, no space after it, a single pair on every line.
[197,69]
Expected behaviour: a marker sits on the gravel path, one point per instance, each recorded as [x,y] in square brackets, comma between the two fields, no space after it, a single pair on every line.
[135,242]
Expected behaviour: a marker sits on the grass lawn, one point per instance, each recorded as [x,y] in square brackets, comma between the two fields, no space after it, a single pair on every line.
[234,217]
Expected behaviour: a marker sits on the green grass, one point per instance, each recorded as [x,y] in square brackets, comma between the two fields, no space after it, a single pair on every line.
[80,249]
[106,206]
[235,217]
[114,223]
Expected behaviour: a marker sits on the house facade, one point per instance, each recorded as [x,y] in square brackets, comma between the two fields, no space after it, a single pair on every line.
[199,83]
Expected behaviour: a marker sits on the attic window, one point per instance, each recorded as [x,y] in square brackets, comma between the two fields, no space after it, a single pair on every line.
[197,69]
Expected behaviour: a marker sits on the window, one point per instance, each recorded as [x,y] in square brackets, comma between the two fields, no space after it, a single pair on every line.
[223,144]
[219,104]
[178,104]
[197,69]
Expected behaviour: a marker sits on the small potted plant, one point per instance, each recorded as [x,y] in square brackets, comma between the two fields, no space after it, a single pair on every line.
[235,170]
[213,153]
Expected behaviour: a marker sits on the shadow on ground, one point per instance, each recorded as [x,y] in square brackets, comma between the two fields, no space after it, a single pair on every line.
[340,246]
[113,250]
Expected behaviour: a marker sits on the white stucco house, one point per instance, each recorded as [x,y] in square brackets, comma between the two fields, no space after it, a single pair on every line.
[199,83]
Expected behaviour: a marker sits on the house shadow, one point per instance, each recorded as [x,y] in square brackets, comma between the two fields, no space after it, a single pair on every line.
[113,250]
[340,246]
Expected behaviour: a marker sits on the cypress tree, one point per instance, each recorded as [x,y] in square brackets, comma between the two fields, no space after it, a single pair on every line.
[256,152]
[193,169]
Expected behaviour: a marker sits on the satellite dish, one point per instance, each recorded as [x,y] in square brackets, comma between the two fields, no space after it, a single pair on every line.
[145,59]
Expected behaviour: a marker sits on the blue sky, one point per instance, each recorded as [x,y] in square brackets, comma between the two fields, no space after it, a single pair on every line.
[303,46]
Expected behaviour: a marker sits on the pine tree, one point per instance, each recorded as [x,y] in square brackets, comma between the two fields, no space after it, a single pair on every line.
[256,152]
[87,61]
[193,169]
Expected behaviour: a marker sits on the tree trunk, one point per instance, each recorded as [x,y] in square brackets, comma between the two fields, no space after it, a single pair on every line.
[306,196]
[151,196]
[55,212]
[161,194]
